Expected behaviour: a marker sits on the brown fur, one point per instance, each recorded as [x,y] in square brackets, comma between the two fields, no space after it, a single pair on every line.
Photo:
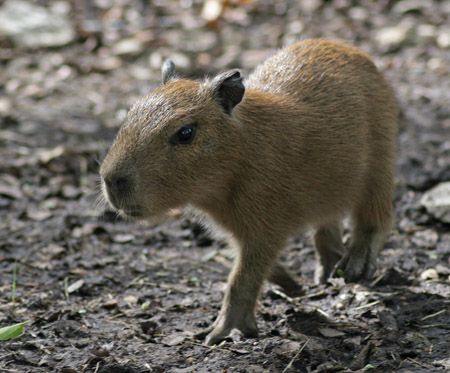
[311,141]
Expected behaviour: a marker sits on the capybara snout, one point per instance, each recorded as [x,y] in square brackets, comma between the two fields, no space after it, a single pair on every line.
[176,146]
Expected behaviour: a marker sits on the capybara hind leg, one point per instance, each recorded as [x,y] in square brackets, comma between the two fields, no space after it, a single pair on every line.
[372,223]
[329,250]
[281,277]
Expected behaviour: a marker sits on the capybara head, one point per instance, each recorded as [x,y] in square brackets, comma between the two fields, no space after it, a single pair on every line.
[176,147]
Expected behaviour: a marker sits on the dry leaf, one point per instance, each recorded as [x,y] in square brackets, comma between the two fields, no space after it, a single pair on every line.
[75,286]
[123,238]
[331,333]
[173,340]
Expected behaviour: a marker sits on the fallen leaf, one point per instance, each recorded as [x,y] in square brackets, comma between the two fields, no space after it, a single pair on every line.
[331,333]
[47,155]
[173,340]
[38,215]
[213,9]
[53,250]
[130,299]
[123,238]
[11,192]
[209,255]
[12,331]
[75,286]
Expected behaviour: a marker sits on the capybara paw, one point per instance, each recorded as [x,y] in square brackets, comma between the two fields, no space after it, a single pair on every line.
[224,328]
[217,336]
[356,266]
[202,333]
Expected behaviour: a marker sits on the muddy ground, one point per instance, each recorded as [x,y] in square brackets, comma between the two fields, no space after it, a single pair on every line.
[106,295]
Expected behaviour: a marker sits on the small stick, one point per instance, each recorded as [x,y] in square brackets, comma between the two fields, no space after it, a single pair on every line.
[282,295]
[14,282]
[377,280]
[296,356]
[312,295]
[366,305]
[419,363]
[439,325]
[433,315]
[211,348]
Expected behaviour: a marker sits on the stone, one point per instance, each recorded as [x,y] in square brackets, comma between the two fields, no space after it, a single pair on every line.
[192,41]
[426,33]
[5,106]
[408,6]
[358,13]
[443,38]
[426,239]
[32,26]
[437,202]
[429,274]
[390,39]
[128,47]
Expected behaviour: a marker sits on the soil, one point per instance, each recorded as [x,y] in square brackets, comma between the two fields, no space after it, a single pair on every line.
[106,295]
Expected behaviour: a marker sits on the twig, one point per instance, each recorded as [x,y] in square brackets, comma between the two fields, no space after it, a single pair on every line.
[211,348]
[13,285]
[433,315]
[366,305]
[313,295]
[438,325]
[419,363]
[66,285]
[295,357]
[377,280]
[323,313]
[315,308]
[97,367]
[282,295]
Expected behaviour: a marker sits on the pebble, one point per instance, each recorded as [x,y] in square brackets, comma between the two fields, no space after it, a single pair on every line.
[437,202]
[442,270]
[407,6]
[212,9]
[33,26]
[443,38]
[426,33]
[38,214]
[425,239]
[127,47]
[392,38]
[123,238]
[193,41]
[358,13]
[429,274]
[5,106]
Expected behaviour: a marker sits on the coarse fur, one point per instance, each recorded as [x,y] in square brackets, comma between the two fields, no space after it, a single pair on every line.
[311,141]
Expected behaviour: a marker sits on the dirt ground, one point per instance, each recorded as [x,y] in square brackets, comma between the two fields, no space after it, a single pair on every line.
[106,295]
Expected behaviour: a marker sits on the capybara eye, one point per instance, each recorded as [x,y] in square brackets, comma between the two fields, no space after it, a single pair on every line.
[185,135]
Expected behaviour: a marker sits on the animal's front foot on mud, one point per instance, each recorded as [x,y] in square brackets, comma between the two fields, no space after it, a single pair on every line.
[224,325]
[357,265]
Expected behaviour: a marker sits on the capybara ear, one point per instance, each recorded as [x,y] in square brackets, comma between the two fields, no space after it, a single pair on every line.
[228,89]
[167,71]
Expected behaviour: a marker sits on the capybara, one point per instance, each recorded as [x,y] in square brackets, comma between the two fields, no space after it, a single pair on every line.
[306,140]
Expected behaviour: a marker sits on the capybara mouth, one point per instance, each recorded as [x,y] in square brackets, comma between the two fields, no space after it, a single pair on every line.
[133,211]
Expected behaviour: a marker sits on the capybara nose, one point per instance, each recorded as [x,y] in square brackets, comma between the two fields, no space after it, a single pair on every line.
[117,185]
